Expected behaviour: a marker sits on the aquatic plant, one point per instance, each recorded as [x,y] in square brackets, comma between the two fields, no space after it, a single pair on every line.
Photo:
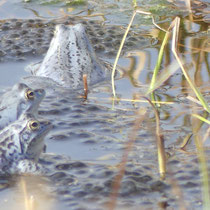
[158,80]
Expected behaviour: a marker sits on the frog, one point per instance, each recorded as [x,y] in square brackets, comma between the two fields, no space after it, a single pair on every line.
[70,57]
[18,100]
[21,144]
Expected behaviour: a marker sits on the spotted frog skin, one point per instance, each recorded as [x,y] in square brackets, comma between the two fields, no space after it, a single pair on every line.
[18,100]
[69,57]
[21,144]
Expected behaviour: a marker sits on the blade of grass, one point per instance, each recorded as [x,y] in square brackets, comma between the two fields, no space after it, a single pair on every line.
[134,3]
[118,53]
[160,55]
[201,118]
[165,74]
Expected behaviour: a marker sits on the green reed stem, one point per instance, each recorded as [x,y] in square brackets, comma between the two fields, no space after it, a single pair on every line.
[159,61]
[134,3]
[158,64]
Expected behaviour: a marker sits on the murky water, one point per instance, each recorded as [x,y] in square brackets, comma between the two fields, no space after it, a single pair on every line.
[89,137]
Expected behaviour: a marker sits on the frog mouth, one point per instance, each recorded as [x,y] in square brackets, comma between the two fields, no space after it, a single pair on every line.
[45,127]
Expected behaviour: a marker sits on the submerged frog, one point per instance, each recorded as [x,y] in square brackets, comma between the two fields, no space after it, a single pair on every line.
[70,56]
[21,144]
[20,99]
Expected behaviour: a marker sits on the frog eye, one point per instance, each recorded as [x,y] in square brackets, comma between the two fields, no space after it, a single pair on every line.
[33,125]
[29,94]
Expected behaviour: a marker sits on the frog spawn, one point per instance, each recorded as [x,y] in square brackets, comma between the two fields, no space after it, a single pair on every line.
[22,38]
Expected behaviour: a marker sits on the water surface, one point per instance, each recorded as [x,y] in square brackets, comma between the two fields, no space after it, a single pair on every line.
[89,137]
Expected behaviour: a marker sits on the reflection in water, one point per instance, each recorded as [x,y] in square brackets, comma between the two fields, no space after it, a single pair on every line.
[137,64]
[197,41]
[176,87]
[29,193]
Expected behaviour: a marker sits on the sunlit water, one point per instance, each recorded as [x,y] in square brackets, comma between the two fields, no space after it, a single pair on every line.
[89,137]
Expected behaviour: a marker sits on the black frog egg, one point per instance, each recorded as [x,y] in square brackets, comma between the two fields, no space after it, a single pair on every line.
[16,47]
[91,33]
[18,25]
[14,36]
[26,25]
[94,40]
[5,27]
[130,44]
[96,25]
[100,33]
[8,41]
[30,20]
[108,39]
[112,36]
[2,53]
[133,39]
[108,44]
[51,35]
[23,32]
[17,53]
[91,22]
[84,22]
[99,47]
[116,43]
[31,41]
[40,31]
[111,53]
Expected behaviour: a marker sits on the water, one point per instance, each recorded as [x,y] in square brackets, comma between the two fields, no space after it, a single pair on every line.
[12,72]
[89,137]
